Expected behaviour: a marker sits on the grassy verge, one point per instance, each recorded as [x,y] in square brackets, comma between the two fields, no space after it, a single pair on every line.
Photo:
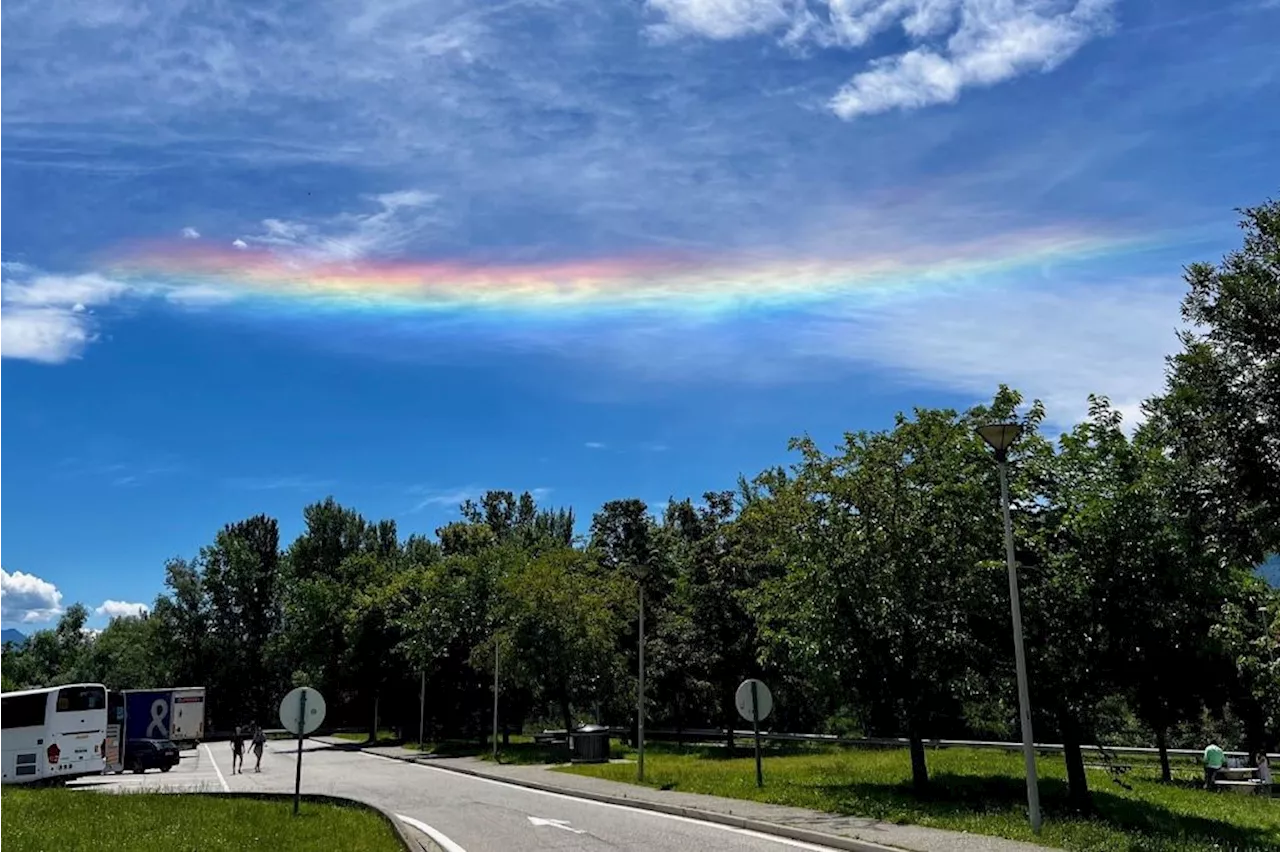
[976,791]
[521,749]
[73,820]
[384,736]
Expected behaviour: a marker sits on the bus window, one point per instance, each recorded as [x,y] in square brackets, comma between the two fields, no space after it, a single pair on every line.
[80,698]
[24,711]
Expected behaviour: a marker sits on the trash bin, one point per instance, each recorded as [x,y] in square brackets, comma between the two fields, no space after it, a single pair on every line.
[590,744]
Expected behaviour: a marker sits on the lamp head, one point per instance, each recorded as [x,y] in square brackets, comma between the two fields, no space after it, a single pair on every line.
[1000,436]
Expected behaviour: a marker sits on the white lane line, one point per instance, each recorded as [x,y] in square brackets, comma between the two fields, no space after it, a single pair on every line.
[221,780]
[447,844]
[746,832]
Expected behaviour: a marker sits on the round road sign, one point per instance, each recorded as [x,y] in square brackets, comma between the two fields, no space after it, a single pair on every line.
[764,699]
[291,710]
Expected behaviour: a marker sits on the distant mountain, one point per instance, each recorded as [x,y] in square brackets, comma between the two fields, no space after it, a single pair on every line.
[11,635]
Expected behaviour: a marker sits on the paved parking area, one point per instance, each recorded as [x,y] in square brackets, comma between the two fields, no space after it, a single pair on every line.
[197,773]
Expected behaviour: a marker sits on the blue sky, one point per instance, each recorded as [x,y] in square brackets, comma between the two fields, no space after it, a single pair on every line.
[137,422]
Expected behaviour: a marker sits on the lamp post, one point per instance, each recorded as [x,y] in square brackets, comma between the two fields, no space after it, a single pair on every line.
[1000,436]
[495,698]
[641,572]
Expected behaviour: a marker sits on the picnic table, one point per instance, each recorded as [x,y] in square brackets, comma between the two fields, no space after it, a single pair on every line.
[1242,779]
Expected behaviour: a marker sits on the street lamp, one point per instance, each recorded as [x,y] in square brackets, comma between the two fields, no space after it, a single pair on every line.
[1000,436]
[640,572]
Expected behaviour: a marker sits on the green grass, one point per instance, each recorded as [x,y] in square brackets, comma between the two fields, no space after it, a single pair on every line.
[73,820]
[384,736]
[978,791]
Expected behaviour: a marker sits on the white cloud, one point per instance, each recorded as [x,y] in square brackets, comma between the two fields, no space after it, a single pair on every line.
[721,19]
[27,599]
[1056,345]
[428,497]
[190,233]
[951,44]
[594,445]
[200,295]
[400,216]
[1058,342]
[240,244]
[119,609]
[997,40]
[279,483]
[46,318]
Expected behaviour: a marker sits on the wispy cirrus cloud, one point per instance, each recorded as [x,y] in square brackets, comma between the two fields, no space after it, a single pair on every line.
[278,483]
[400,217]
[433,497]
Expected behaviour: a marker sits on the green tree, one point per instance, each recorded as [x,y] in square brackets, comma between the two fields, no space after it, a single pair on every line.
[884,579]
[1220,413]
[560,621]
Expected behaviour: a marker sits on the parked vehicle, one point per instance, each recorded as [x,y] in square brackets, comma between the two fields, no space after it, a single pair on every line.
[53,734]
[174,715]
[151,754]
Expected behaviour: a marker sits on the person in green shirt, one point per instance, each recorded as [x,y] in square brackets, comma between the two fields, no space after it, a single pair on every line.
[1213,761]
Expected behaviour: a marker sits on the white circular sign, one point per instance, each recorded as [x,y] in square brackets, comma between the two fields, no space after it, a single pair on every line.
[292,708]
[764,699]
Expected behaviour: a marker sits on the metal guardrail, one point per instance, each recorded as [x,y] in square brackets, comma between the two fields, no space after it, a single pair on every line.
[834,739]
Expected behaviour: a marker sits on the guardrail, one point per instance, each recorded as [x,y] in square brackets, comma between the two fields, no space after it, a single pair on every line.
[718,735]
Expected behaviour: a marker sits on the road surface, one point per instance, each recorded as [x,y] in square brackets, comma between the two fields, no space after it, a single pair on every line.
[470,814]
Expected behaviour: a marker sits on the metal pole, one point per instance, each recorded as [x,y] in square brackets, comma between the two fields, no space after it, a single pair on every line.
[640,694]
[495,699]
[755,724]
[297,778]
[422,707]
[1019,655]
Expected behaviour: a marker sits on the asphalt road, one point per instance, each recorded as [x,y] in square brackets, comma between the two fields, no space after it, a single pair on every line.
[472,814]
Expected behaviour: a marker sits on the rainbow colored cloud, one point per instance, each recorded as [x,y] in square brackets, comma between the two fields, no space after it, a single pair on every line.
[291,281]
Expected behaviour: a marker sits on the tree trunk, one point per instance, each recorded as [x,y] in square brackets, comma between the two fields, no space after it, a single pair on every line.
[729,705]
[919,768]
[373,732]
[1077,782]
[1162,743]
[568,726]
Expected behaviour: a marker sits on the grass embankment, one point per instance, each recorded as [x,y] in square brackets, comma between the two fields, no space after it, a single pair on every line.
[73,820]
[520,748]
[978,791]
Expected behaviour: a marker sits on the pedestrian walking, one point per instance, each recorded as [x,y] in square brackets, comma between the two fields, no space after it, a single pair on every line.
[259,743]
[237,751]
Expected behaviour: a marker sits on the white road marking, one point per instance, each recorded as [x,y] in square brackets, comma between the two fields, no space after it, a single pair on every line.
[746,832]
[221,780]
[447,844]
[556,823]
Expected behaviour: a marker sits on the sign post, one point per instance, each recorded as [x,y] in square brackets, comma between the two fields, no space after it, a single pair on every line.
[301,712]
[754,702]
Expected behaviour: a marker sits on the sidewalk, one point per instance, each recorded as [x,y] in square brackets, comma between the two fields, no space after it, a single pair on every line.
[841,832]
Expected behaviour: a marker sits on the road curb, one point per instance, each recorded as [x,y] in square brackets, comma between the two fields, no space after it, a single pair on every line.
[819,838]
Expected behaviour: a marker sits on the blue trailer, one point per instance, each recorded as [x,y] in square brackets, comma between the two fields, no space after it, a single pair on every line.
[175,713]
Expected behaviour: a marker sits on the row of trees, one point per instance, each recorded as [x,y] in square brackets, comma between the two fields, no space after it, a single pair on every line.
[866,585]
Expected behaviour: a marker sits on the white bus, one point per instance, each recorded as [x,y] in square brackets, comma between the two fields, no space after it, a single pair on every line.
[53,734]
